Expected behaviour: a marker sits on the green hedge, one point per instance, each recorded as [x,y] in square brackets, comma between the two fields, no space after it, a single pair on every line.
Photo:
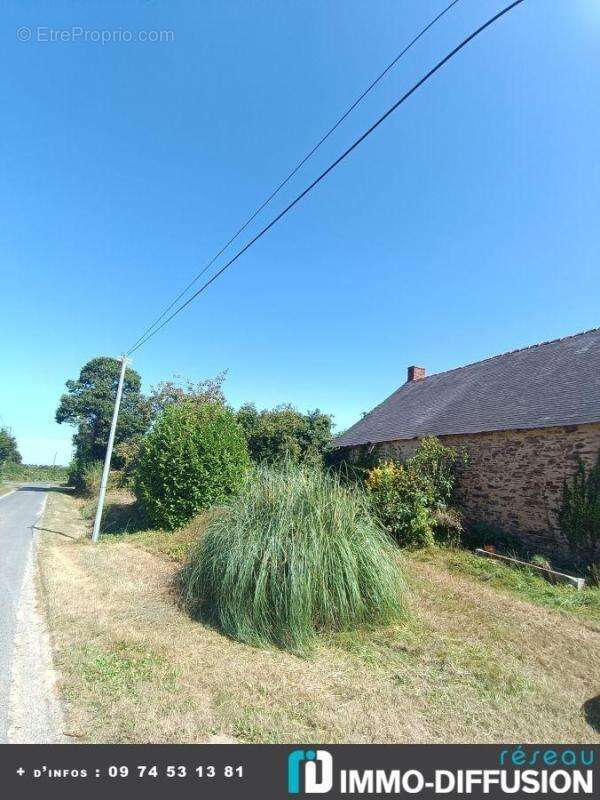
[195,456]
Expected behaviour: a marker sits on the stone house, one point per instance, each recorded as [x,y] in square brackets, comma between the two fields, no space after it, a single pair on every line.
[525,417]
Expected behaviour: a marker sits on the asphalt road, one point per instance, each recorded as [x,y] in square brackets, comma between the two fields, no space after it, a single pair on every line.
[18,513]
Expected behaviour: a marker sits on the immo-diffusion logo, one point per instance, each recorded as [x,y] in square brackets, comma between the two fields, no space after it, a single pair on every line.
[315,766]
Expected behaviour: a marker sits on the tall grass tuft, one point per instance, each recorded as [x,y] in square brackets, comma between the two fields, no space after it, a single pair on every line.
[294,553]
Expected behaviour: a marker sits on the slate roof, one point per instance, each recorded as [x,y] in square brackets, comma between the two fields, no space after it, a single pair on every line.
[553,383]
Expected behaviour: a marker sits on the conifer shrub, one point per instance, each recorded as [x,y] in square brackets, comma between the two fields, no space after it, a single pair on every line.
[195,456]
[293,554]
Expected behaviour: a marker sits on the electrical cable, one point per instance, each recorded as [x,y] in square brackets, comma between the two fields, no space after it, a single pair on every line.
[300,164]
[332,166]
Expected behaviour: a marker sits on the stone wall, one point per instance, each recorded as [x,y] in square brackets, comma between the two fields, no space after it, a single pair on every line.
[514,478]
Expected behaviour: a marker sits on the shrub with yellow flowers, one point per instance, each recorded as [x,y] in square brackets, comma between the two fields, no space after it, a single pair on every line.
[400,502]
[413,499]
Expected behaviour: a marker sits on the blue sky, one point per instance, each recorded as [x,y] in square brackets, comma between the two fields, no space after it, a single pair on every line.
[467,225]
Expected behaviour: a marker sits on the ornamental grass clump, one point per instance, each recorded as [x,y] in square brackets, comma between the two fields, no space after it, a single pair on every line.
[293,554]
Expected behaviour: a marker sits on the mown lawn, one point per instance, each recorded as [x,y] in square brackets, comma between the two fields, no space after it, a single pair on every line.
[480,658]
[523,583]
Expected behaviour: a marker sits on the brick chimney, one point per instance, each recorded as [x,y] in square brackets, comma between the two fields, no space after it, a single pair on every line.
[416,374]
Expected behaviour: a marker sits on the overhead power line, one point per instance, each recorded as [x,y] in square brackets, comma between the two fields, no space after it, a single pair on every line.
[300,164]
[332,166]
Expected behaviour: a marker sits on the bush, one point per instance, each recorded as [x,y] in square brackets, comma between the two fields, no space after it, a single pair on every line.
[128,454]
[539,560]
[85,477]
[579,517]
[293,554]
[193,457]
[436,467]
[448,526]
[74,471]
[90,480]
[401,504]
[411,499]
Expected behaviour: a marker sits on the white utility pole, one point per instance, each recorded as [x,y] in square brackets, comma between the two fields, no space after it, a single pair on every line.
[109,449]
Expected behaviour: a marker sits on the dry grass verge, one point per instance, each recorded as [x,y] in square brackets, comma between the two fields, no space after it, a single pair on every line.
[473,664]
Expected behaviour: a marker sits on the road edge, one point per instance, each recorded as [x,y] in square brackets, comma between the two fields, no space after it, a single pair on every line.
[35,713]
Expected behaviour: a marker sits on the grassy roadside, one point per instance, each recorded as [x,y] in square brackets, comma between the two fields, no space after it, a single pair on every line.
[121,524]
[474,663]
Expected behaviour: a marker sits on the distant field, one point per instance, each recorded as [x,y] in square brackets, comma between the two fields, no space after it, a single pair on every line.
[33,472]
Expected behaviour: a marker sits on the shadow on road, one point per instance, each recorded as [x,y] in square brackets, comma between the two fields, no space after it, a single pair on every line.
[38,488]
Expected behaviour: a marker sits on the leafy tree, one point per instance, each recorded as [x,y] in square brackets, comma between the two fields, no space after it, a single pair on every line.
[163,395]
[284,433]
[194,456]
[89,404]
[8,447]
[209,390]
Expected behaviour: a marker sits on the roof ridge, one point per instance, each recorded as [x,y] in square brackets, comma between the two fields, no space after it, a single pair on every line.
[553,396]
[507,353]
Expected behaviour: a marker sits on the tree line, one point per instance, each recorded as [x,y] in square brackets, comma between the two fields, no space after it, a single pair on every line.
[9,451]
[272,435]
